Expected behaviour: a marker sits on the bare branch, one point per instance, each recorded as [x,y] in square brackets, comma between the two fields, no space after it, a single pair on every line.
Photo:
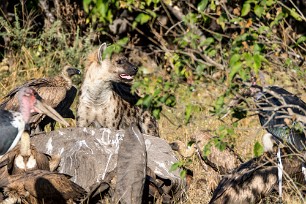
[45,7]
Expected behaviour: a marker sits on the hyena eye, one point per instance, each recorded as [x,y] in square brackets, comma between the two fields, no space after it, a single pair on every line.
[120,61]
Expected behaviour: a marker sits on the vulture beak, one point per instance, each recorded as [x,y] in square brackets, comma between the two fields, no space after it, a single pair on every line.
[42,107]
[73,71]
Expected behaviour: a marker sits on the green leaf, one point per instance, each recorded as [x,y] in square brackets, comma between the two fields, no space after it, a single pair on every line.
[243,74]
[219,104]
[234,69]
[122,42]
[207,41]
[108,51]
[206,150]
[220,145]
[183,173]
[202,5]
[86,5]
[152,13]
[258,10]
[164,98]
[134,24]
[295,15]
[170,101]
[142,18]
[175,166]
[156,113]
[258,149]
[263,29]
[270,2]
[246,8]
[234,59]
[212,5]
[147,100]
[212,53]
[278,18]
[188,112]
[221,21]
[257,63]
[301,40]
[258,48]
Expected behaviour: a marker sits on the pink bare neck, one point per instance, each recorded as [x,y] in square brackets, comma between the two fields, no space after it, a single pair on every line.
[26,100]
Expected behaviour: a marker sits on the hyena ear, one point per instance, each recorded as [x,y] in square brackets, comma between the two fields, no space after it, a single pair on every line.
[100,51]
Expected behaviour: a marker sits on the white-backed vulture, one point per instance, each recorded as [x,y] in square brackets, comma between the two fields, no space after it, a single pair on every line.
[254,180]
[220,161]
[25,157]
[40,187]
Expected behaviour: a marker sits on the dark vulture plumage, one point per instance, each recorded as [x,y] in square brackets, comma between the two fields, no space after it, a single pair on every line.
[58,92]
[40,186]
[257,178]
[282,114]
[25,157]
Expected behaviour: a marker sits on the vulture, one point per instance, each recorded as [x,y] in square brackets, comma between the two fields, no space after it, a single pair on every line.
[58,92]
[40,187]
[257,178]
[283,115]
[25,157]
[220,161]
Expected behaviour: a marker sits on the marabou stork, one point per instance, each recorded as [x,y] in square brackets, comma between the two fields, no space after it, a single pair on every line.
[13,124]
[58,92]
[282,114]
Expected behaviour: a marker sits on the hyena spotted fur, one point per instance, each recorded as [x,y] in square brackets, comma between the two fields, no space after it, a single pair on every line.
[105,99]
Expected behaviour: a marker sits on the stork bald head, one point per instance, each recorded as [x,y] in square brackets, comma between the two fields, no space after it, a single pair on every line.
[30,102]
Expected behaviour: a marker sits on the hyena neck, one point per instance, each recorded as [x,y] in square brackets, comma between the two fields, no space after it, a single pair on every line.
[97,93]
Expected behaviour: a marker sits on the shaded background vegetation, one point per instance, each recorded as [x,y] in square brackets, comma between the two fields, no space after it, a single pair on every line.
[190,55]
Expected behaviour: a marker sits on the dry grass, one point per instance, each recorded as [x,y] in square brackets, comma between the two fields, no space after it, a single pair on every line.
[204,181]
[246,134]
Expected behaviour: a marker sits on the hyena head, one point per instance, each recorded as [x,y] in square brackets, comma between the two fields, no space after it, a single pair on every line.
[114,68]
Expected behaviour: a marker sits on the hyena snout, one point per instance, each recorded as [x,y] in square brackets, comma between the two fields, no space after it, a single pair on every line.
[129,72]
[131,69]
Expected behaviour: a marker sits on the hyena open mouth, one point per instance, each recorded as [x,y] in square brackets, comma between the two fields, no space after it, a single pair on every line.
[126,77]
[130,71]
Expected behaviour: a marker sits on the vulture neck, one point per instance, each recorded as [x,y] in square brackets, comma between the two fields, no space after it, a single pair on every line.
[67,80]
[184,150]
[25,144]
[267,141]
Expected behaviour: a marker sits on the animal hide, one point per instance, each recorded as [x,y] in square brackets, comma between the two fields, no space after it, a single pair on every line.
[90,154]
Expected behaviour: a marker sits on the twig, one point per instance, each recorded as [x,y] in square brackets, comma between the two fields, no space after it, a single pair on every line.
[45,7]
[177,12]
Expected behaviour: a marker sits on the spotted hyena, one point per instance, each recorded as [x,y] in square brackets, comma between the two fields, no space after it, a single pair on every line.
[105,99]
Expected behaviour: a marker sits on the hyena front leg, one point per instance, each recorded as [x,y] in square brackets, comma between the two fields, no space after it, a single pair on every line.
[85,116]
[149,125]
